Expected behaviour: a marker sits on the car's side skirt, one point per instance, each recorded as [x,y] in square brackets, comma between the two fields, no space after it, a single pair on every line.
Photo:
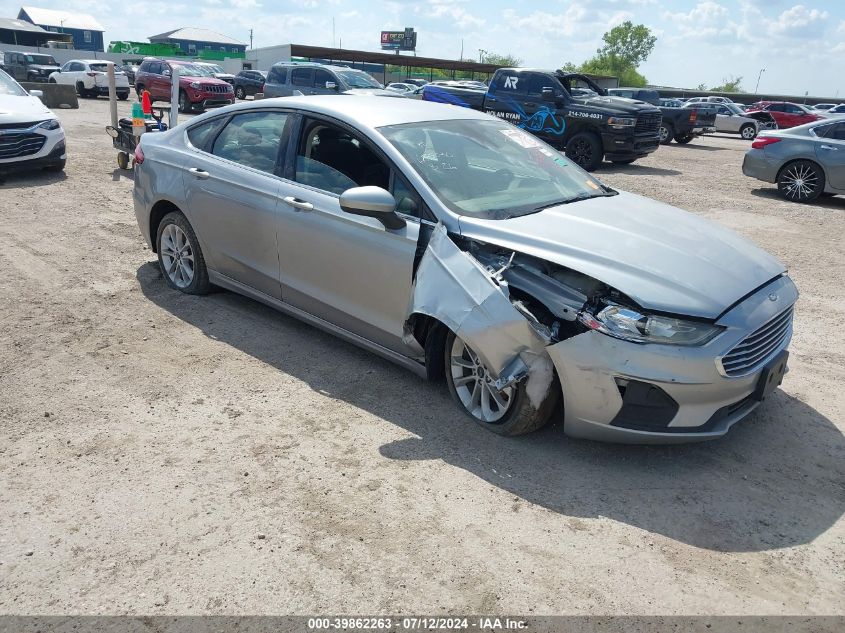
[235,286]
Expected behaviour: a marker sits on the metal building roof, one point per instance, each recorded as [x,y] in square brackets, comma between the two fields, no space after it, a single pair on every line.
[63,19]
[196,35]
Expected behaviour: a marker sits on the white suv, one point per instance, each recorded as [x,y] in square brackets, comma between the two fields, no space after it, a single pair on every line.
[90,78]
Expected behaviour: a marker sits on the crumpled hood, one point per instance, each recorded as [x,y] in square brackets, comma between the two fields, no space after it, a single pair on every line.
[14,109]
[371,92]
[665,259]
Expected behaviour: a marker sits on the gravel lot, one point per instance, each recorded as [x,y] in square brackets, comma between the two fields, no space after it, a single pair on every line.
[165,454]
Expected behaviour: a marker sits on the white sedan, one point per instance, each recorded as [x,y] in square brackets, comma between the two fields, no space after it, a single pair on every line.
[30,134]
[90,78]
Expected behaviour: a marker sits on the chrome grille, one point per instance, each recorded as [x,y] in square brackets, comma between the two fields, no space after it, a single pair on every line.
[215,88]
[17,145]
[648,123]
[18,126]
[750,354]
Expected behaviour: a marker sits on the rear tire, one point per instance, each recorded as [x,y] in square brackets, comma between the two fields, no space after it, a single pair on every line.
[123,96]
[748,131]
[665,133]
[180,257]
[240,93]
[683,139]
[123,160]
[506,412]
[585,150]
[801,181]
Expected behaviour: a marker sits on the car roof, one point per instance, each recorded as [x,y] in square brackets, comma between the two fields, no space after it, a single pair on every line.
[362,110]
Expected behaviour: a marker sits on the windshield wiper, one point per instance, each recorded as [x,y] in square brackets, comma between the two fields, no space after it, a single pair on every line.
[578,198]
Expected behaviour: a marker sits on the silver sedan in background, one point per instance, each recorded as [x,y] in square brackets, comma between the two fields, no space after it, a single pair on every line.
[461,247]
[806,161]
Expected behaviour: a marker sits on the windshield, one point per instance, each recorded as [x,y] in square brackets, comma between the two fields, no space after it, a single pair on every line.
[214,68]
[192,70]
[490,169]
[44,60]
[9,86]
[357,79]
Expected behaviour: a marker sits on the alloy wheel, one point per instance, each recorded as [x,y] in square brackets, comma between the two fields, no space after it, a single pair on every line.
[799,181]
[582,152]
[239,93]
[475,386]
[663,133]
[177,256]
[748,132]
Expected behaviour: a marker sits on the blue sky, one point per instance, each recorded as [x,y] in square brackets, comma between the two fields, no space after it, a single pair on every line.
[800,44]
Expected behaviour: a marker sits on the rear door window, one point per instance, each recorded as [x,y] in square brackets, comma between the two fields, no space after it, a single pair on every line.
[200,136]
[252,139]
[301,76]
[278,75]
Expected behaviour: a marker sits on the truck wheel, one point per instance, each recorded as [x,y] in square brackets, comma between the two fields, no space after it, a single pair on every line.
[585,149]
[505,412]
[748,131]
[683,139]
[665,133]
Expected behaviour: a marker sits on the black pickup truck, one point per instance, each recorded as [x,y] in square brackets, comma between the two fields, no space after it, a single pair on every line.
[681,124]
[587,126]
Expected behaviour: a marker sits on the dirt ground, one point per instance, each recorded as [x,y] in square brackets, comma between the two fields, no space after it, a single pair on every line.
[166,454]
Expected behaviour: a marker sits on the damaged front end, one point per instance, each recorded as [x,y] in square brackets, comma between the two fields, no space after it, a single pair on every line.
[506,306]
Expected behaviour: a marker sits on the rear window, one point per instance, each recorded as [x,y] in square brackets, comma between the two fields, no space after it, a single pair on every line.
[101,68]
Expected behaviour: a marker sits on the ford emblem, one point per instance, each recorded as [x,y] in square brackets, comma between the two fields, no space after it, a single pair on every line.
[773,296]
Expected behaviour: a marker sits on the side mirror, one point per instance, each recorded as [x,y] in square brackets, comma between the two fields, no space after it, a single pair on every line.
[37,93]
[166,72]
[548,94]
[330,85]
[372,202]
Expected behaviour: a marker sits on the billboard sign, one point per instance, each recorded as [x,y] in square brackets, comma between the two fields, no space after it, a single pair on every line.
[399,40]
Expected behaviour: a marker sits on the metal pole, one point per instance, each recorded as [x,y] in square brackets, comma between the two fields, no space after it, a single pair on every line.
[112,94]
[760,74]
[174,97]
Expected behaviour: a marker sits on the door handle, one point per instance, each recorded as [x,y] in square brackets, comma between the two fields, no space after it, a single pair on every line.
[829,147]
[199,173]
[296,203]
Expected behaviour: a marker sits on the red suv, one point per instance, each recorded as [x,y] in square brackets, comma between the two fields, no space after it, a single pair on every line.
[198,88]
[786,114]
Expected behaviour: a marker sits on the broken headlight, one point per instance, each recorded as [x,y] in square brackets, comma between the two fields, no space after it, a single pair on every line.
[630,324]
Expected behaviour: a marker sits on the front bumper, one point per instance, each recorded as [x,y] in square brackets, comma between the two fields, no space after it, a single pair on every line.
[52,153]
[621,147]
[694,401]
[756,164]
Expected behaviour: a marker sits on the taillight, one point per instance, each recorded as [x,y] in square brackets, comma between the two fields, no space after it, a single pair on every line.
[761,141]
[139,155]
[693,116]
[92,74]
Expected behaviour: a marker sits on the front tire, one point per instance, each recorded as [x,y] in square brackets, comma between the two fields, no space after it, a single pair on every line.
[180,257]
[240,93]
[585,149]
[184,103]
[801,181]
[748,131]
[665,133]
[506,412]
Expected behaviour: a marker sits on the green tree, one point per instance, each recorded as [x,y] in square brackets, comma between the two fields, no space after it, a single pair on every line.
[509,61]
[625,47]
[734,84]
[628,44]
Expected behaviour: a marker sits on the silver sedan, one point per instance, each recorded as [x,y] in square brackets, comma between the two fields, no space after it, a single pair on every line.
[464,248]
[806,161]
